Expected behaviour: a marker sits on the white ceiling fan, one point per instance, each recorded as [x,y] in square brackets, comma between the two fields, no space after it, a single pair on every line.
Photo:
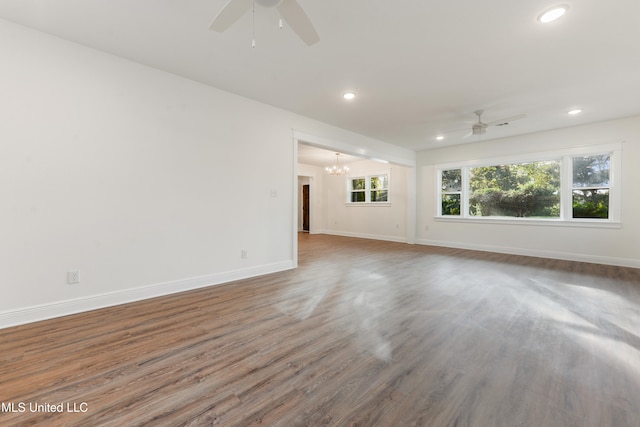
[290,11]
[480,128]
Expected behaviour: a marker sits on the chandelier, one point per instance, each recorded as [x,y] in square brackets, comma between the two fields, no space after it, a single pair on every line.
[336,169]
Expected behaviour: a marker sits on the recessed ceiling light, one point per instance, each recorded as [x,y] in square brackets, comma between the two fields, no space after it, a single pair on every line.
[439,137]
[575,112]
[349,95]
[553,13]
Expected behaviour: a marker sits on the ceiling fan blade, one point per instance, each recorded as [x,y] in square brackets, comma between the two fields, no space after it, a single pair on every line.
[299,22]
[467,135]
[230,14]
[506,120]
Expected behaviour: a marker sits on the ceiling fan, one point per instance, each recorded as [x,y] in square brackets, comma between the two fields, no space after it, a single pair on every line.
[290,11]
[480,128]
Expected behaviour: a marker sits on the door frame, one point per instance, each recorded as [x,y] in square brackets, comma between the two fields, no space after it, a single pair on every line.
[306,207]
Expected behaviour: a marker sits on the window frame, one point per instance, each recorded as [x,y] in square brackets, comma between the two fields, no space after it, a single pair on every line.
[351,191]
[463,180]
[574,187]
[368,190]
[371,190]
[565,157]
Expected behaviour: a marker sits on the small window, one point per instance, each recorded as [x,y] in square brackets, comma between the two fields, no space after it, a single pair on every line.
[358,190]
[369,189]
[451,191]
[379,188]
[590,189]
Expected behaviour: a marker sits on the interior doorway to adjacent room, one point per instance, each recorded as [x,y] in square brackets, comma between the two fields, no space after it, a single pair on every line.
[304,203]
[305,207]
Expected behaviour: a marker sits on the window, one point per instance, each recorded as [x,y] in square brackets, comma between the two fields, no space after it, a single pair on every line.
[379,189]
[590,190]
[369,189]
[358,191]
[571,186]
[522,190]
[451,182]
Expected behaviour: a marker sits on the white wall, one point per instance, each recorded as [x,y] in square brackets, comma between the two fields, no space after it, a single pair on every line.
[609,246]
[383,222]
[146,182]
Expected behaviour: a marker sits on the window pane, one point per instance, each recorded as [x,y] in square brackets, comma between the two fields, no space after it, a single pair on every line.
[379,196]
[357,196]
[450,204]
[592,171]
[452,180]
[378,182]
[591,203]
[358,184]
[516,190]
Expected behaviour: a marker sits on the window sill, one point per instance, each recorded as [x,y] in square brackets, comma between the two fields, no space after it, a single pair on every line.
[386,204]
[588,223]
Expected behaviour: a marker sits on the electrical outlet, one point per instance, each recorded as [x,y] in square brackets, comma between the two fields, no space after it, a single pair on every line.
[243,253]
[73,277]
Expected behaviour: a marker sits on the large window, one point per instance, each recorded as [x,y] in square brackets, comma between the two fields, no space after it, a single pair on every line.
[369,188]
[521,190]
[573,186]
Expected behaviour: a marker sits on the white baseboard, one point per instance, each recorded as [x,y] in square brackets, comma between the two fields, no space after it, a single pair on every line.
[366,236]
[64,308]
[595,259]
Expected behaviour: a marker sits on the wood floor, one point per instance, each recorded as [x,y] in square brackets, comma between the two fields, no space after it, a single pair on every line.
[364,333]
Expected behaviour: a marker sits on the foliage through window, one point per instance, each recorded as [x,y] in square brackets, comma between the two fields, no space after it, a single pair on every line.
[516,190]
[358,190]
[369,189]
[451,191]
[570,186]
[379,188]
[590,192]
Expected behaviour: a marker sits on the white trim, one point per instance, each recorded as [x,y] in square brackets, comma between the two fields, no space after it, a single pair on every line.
[347,148]
[552,222]
[566,256]
[294,208]
[615,186]
[93,302]
[366,236]
[410,228]
[354,204]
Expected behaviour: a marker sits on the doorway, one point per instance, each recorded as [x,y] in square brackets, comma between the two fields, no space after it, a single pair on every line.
[305,208]
[304,204]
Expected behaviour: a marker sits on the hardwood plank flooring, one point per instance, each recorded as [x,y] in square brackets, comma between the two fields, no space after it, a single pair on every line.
[363,333]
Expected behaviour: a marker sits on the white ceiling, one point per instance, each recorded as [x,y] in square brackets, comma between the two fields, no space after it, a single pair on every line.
[420,67]
[315,156]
